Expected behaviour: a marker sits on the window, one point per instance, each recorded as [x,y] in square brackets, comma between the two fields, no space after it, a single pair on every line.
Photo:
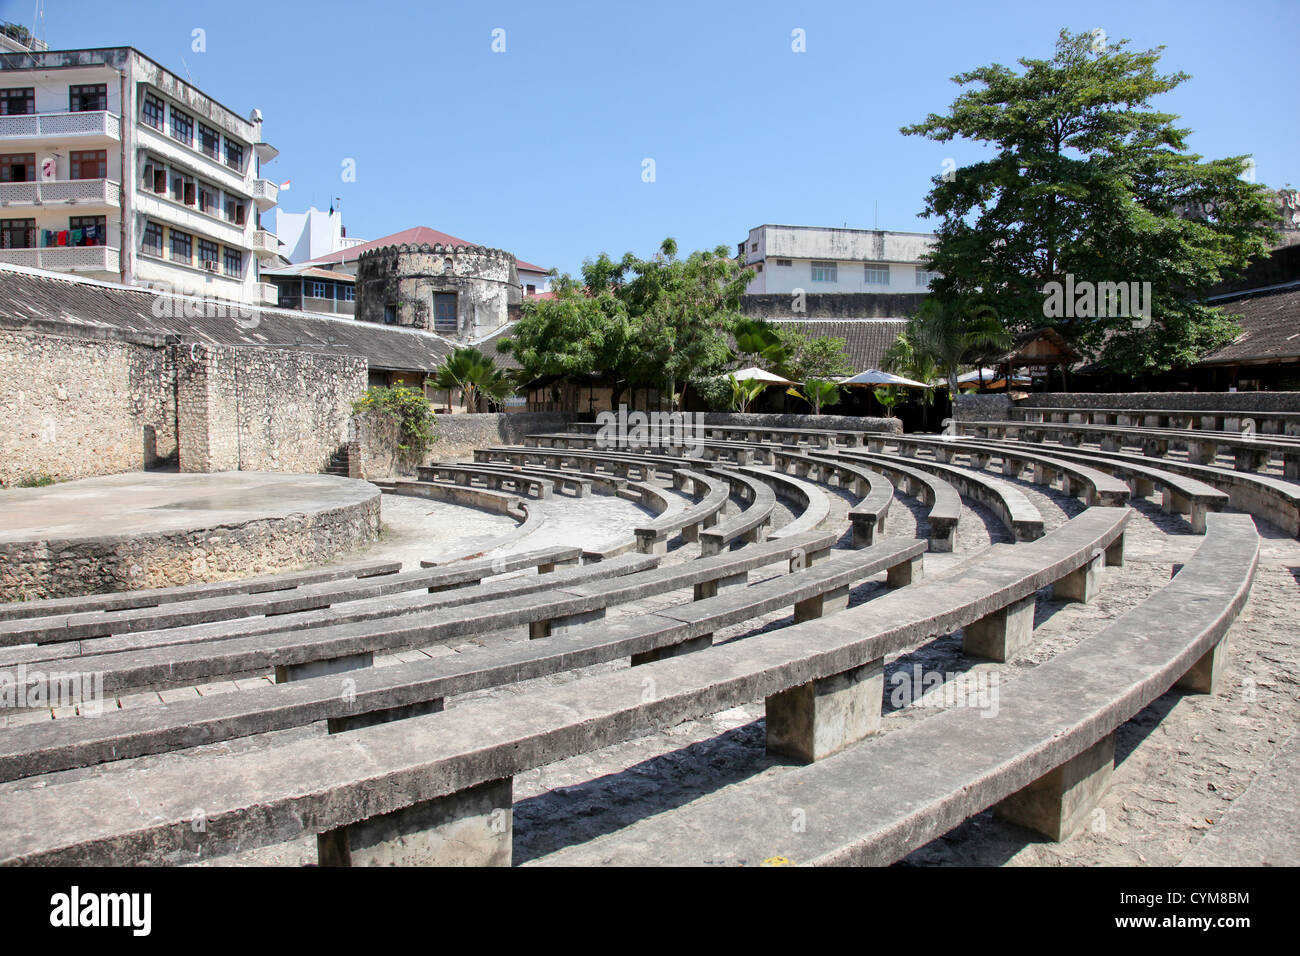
[209,200]
[235,212]
[758,267]
[182,247]
[753,247]
[444,312]
[86,231]
[87,99]
[208,254]
[347,293]
[18,101]
[390,314]
[784,262]
[923,276]
[234,155]
[151,112]
[89,164]
[182,126]
[823,272]
[209,141]
[876,273]
[318,290]
[234,262]
[152,244]
[18,168]
[530,289]
[17,233]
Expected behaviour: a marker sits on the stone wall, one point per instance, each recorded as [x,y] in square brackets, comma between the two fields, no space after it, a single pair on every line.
[1194,401]
[981,408]
[96,403]
[459,435]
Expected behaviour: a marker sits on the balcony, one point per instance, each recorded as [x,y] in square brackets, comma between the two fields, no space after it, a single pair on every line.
[60,125]
[72,192]
[268,293]
[65,258]
[265,244]
[265,194]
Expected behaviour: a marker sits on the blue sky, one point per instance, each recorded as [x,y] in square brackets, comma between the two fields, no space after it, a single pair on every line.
[539,149]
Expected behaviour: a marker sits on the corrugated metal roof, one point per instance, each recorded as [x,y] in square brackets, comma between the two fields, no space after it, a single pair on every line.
[1270,323]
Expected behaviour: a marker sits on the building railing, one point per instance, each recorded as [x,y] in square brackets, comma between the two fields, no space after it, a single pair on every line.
[32,125]
[265,193]
[264,241]
[268,293]
[99,192]
[65,258]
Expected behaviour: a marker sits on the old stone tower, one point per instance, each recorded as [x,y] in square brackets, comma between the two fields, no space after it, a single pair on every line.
[462,292]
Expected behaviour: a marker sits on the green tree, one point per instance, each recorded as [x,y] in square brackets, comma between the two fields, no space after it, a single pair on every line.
[816,392]
[938,341]
[476,375]
[813,357]
[1086,179]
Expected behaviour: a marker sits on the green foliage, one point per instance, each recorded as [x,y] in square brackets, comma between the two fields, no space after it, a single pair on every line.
[715,391]
[658,322]
[813,357]
[938,340]
[817,393]
[744,393]
[889,396]
[410,409]
[476,375]
[38,480]
[1085,178]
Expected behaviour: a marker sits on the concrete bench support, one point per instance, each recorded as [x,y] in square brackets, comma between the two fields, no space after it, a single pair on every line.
[1203,676]
[339,725]
[551,566]
[560,625]
[1003,634]
[701,643]
[1080,585]
[472,827]
[1115,553]
[819,718]
[336,665]
[709,589]
[821,604]
[1059,803]
[905,573]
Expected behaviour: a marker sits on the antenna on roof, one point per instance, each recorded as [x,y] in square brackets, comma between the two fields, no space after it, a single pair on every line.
[876,222]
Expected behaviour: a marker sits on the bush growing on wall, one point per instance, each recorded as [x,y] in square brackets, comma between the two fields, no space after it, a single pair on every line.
[410,411]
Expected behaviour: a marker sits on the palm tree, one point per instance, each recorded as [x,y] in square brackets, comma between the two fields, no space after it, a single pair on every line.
[475,375]
[939,340]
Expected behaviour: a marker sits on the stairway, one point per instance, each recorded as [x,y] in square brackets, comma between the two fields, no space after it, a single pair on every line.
[338,462]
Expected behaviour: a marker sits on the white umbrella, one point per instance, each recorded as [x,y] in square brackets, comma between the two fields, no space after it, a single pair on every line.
[756,374]
[989,375]
[876,377]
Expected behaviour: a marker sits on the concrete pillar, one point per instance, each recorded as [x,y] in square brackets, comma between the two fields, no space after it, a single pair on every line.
[818,605]
[1203,676]
[1141,487]
[338,725]
[550,566]
[1171,502]
[651,543]
[703,642]
[336,665]
[472,827]
[561,625]
[1202,452]
[1115,553]
[1155,447]
[864,530]
[1250,459]
[905,572]
[1061,801]
[1012,467]
[1003,634]
[707,589]
[819,718]
[757,534]
[1081,584]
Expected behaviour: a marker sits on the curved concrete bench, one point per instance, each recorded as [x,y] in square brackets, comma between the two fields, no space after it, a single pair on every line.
[713,492]
[390,692]
[751,524]
[872,488]
[577,484]
[411,778]
[624,464]
[1016,512]
[1179,494]
[568,597]
[1268,423]
[1095,487]
[1249,453]
[76,627]
[753,434]
[465,475]
[814,507]
[497,501]
[153,597]
[701,449]
[1043,762]
[943,499]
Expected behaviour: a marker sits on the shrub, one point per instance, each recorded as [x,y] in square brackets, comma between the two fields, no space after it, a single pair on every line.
[410,410]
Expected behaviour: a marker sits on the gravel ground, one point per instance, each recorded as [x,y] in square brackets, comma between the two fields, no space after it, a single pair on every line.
[1180,763]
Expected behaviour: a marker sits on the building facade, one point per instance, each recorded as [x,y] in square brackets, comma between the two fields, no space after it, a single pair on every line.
[817,259]
[115,168]
[309,235]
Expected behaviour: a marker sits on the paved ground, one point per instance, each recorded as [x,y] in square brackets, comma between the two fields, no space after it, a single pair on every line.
[143,502]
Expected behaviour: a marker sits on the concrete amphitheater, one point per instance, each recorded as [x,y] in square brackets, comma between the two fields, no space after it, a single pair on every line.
[1064,639]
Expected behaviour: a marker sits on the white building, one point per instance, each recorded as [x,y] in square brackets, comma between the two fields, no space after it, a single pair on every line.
[115,168]
[312,234]
[819,259]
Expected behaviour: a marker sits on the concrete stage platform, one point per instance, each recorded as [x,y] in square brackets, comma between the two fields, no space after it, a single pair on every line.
[148,529]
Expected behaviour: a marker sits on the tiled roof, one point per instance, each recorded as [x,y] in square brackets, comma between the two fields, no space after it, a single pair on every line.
[488,346]
[416,236]
[1270,323]
[44,299]
[865,340]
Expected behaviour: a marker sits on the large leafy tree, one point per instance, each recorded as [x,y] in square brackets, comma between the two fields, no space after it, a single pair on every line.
[1086,179]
